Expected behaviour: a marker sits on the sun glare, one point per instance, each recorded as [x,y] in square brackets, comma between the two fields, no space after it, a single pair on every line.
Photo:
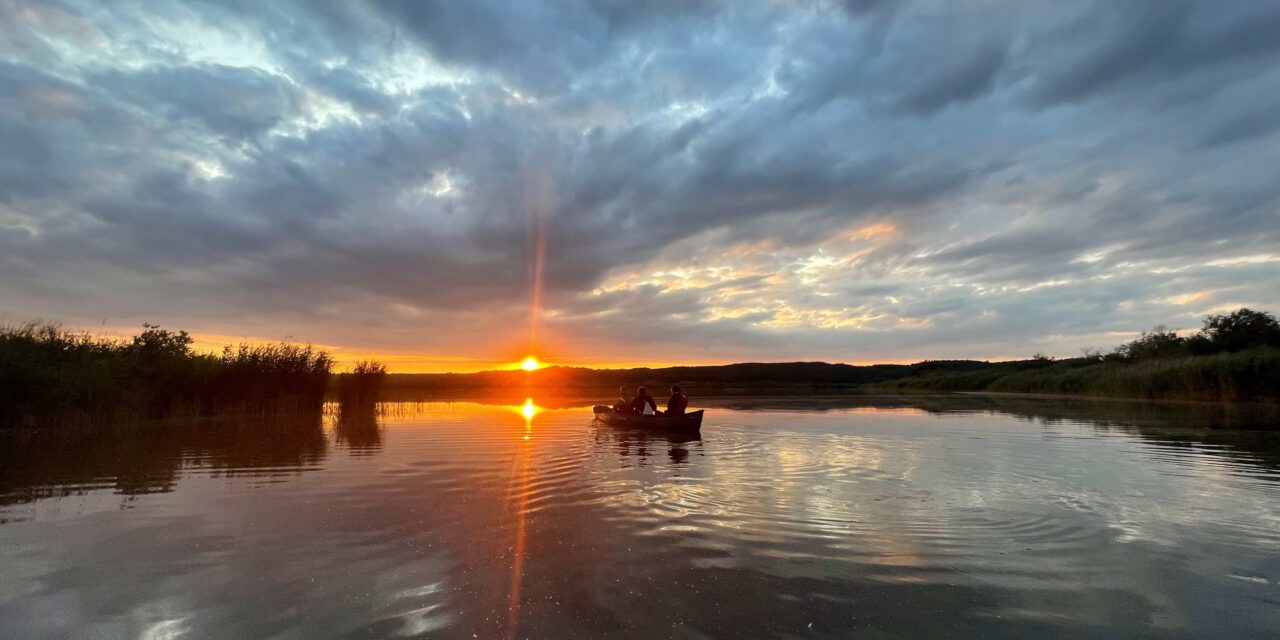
[529,409]
[530,364]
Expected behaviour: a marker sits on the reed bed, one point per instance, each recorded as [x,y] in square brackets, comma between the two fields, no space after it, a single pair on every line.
[51,376]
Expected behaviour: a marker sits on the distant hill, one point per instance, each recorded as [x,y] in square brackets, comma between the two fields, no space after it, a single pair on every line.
[1247,375]
[747,377]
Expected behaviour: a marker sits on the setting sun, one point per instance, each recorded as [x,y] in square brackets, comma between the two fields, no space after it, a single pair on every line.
[302,250]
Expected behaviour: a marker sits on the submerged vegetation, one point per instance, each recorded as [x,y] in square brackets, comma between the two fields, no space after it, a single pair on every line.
[49,375]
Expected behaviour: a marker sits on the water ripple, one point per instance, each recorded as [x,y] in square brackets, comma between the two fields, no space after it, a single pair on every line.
[464,520]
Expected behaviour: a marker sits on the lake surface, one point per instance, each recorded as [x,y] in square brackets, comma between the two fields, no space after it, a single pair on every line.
[837,518]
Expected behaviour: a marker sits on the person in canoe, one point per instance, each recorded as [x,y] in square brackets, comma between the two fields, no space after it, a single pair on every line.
[644,404]
[677,403]
[623,405]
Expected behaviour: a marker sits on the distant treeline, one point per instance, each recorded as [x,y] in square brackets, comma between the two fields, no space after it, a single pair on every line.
[1234,356]
[50,376]
[745,378]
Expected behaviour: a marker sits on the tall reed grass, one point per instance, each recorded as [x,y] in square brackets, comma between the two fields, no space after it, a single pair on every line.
[51,376]
[360,387]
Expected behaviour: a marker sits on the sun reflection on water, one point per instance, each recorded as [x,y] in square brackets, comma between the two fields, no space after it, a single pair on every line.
[529,409]
[521,487]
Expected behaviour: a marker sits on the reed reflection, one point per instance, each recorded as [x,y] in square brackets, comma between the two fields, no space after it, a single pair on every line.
[38,465]
[358,427]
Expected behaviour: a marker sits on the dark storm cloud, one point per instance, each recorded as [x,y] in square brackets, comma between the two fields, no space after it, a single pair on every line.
[769,180]
[536,45]
[1153,41]
[970,79]
[232,102]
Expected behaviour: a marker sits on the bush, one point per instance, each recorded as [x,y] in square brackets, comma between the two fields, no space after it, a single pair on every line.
[1227,333]
[1241,329]
[1159,343]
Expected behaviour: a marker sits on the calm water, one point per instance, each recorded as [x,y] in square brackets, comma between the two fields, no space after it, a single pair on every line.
[872,518]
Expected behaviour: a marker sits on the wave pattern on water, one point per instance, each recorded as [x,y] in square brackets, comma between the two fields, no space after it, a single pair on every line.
[464,520]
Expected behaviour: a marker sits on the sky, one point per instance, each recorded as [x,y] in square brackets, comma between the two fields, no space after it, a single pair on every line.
[452,185]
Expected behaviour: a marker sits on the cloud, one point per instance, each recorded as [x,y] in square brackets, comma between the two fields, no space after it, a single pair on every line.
[715,181]
[537,45]
[1253,124]
[975,77]
[237,103]
[1155,41]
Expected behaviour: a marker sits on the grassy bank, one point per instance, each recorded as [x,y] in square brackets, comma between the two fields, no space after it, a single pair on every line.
[1251,374]
[49,376]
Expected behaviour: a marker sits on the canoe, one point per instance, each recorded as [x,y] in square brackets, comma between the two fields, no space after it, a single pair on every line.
[686,423]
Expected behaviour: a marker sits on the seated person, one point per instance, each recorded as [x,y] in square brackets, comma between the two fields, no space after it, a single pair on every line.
[678,402]
[644,404]
[623,405]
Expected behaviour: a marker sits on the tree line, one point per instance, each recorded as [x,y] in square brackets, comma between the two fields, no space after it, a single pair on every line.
[1226,333]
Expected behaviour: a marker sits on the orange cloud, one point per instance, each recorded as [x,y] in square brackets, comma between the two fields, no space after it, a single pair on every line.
[873,231]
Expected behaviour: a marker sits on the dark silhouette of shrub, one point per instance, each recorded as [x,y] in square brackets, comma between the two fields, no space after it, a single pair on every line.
[1158,343]
[1227,333]
[1241,329]
[156,343]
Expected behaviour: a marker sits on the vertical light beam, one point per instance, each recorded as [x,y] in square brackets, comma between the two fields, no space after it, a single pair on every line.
[539,199]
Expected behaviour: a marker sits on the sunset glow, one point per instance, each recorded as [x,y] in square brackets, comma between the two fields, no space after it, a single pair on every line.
[530,364]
